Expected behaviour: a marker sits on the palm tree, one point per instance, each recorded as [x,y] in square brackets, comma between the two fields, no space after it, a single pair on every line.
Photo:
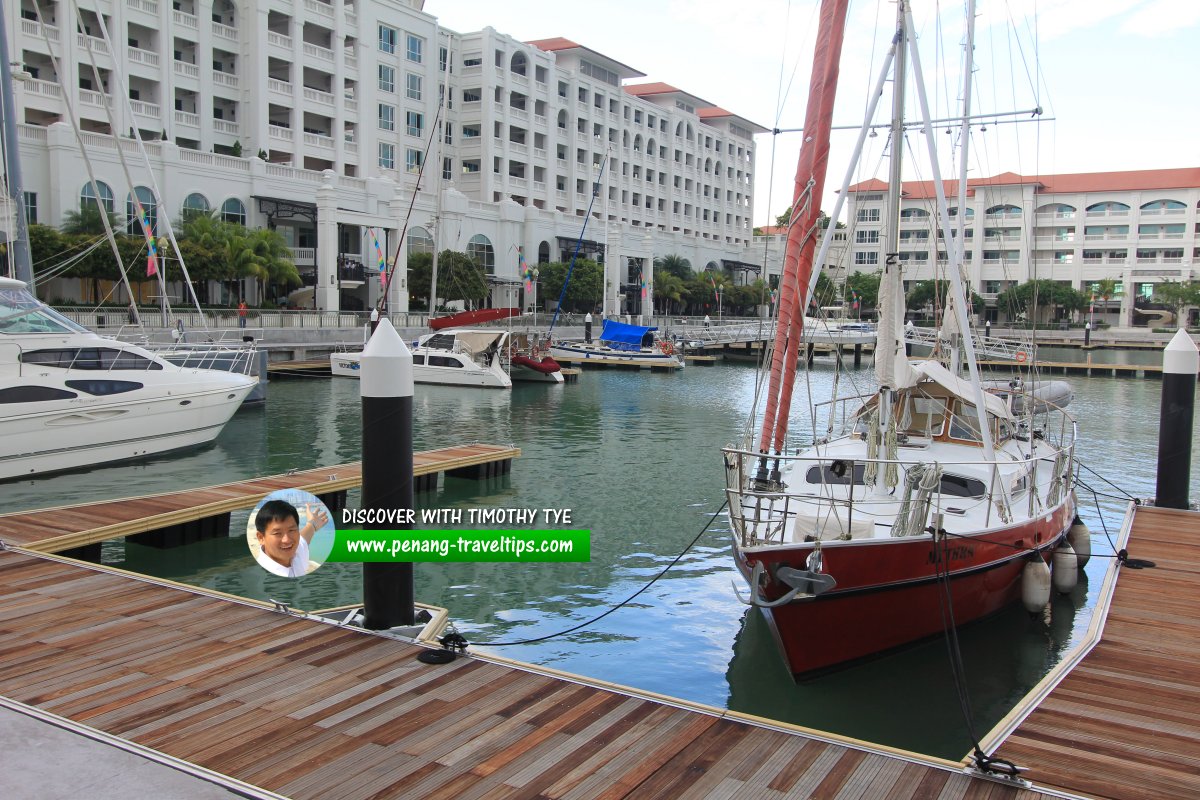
[675,265]
[668,289]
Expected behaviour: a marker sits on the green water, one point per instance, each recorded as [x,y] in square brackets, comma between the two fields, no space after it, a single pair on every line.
[635,457]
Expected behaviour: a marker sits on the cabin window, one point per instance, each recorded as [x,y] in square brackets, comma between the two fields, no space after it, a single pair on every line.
[828,474]
[418,359]
[959,486]
[440,341]
[88,358]
[443,361]
[964,424]
[34,394]
[103,387]
[923,416]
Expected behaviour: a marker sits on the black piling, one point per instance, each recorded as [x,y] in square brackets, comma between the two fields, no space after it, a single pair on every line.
[1180,364]
[587,328]
[857,356]
[387,469]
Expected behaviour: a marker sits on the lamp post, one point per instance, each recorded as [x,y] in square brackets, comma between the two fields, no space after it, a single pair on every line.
[536,273]
[720,295]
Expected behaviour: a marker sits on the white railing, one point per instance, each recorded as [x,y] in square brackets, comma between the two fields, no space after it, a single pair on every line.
[351,105]
[350,58]
[316,51]
[226,126]
[149,6]
[224,32]
[324,9]
[282,87]
[137,56]
[187,118]
[317,96]
[44,88]
[90,98]
[187,70]
[279,40]
[185,20]
[279,132]
[1105,237]
[518,148]
[351,17]
[539,186]
[98,45]
[350,147]
[1156,212]
[214,160]
[518,183]
[31,133]
[304,256]
[145,109]
[225,79]
[1114,212]
[318,140]
[30,27]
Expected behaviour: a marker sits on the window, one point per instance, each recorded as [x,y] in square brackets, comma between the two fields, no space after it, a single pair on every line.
[447,168]
[959,486]
[471,95]
[472,61]
[387,117]
[413,86]
[387,155]
[33,394]
[479,249]
[387,78]
[86,196]
[443,361]
[413,160]
[444,59]
[387,39]
[415,44]
[147,220]
[868,215]
[88,358]
[861,258]
[233,211]
[419,241]
[866,237]
[194,205]
[31,207]
[414,123]
[103,387]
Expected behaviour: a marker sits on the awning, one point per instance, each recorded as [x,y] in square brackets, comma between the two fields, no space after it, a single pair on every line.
[740,266]
[282,208]
[626,337]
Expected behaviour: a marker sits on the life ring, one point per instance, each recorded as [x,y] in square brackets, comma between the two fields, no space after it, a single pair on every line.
[1021,356]
[666,347]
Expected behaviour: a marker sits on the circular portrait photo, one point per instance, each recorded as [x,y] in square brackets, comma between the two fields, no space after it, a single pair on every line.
[290,533]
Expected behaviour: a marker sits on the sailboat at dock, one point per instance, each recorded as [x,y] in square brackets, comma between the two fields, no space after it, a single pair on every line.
[937,496]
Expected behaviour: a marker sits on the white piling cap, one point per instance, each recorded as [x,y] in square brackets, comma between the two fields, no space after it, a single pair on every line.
[1181,356]
[588,317]
[386,366]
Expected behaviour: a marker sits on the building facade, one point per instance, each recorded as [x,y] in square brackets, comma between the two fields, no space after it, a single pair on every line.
[1136,228]
[316,118]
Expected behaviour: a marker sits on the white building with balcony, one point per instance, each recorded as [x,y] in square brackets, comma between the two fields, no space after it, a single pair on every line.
[315,117]
[1137,228]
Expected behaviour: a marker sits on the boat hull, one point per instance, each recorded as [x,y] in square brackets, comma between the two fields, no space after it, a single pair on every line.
[347,365]
[888,593]
[599,355]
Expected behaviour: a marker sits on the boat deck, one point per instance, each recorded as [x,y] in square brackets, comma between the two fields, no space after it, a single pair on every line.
[307,709]
[1124,723]
[53,530]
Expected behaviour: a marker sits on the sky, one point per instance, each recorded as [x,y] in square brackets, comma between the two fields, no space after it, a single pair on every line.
[1114,78]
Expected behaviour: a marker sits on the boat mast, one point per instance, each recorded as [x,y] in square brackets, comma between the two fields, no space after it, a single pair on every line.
[964,133]
[437,180]
[12,165]
[803,229]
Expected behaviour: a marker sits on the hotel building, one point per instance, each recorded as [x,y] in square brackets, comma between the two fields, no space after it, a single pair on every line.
[315,117]
[1137,228]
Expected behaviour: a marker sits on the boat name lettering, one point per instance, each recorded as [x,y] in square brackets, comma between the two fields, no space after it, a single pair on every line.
[957,553]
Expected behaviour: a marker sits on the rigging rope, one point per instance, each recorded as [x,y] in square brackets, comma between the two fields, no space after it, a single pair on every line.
[579,244]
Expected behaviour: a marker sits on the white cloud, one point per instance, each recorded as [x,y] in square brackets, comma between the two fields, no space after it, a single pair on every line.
[1162,17]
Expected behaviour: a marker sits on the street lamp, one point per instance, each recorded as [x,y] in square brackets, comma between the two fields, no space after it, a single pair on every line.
[536,273]
[720,295]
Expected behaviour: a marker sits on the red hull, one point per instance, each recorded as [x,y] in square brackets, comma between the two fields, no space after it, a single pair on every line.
[467,318]
[546,366]
[888,595]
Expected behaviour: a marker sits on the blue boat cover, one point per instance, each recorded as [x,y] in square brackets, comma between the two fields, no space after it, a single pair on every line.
[620,336]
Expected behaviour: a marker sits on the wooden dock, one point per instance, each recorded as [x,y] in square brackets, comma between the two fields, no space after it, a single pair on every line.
[1084,368]
[1124,722]
[313,367]
[307,709]
[54,530]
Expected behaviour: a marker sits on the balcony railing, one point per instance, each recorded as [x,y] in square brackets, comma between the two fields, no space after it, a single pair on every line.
[318,7]
[145,109]
[90,98]
[351,104]
[317,96]
[187,70]
[281,132]
[98,45]
[316,51]
[149,6]
[1113,212]
[30,27]
[145,57]
[224,79]
[1162,212]
[44,88]
[318,140]
[187,118]
[350,58]
[224,32]
[280,87]
[185,20]
[279,40]
[304,256]
[226,126]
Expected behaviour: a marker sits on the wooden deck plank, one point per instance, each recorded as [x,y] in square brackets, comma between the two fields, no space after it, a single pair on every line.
[311,710]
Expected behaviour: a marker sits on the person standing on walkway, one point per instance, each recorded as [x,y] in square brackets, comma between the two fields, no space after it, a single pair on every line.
[242,314]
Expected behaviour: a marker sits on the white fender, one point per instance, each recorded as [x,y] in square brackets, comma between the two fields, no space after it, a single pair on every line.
[1066,568]
[1081,541]
[1035,585]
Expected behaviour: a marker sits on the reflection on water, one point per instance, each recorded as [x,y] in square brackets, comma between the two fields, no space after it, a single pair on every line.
[635,457]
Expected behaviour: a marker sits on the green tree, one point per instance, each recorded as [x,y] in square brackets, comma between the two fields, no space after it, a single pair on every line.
[585,290]
[934,293]
[866,286]
[89,220]
[1177,295]
[675,265]
[783,219]
[460,278]
[1106,288]
[1040,298]
[669,290]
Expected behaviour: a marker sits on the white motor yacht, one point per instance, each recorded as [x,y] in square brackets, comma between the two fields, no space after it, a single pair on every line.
[72,398]
[455,357]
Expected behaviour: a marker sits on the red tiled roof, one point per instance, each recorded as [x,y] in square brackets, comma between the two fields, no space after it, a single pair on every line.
[557,43]
[772,230]
[1133,180]
[658,87]
[713,113]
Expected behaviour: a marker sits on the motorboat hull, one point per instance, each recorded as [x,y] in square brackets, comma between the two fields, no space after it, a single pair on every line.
[889,593]
[348,365]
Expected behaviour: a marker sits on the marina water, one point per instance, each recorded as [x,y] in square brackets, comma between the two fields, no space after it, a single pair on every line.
[635,457]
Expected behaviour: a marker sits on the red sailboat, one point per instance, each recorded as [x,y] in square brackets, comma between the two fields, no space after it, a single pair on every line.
[938,500]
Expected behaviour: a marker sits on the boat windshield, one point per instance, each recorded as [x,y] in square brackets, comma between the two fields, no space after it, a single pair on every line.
[21,312]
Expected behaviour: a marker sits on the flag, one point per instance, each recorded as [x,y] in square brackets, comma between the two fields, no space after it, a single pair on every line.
[642,283]
[1092,307]
[143,220]
[382,259]
[714,285]
[152,261]
[525,270]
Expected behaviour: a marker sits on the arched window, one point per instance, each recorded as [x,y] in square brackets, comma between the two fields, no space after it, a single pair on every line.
[518,63]
[637,143]
[479,249]
[419,241]
[691,135]
[970,213]
[146,198]
[563,119]
[232,210]
[225,12]
[544,253]
[195,204]
[86,195]
[1108,207]
[914,213]
[1163,205]
[679,128]
[651,148]
[1007,208]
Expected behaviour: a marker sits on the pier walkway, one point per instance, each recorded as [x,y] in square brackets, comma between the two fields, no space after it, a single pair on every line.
[53,530]
[1123,721]
[274,704]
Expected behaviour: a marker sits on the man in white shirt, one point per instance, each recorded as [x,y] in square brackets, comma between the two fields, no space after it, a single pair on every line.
[283,544]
